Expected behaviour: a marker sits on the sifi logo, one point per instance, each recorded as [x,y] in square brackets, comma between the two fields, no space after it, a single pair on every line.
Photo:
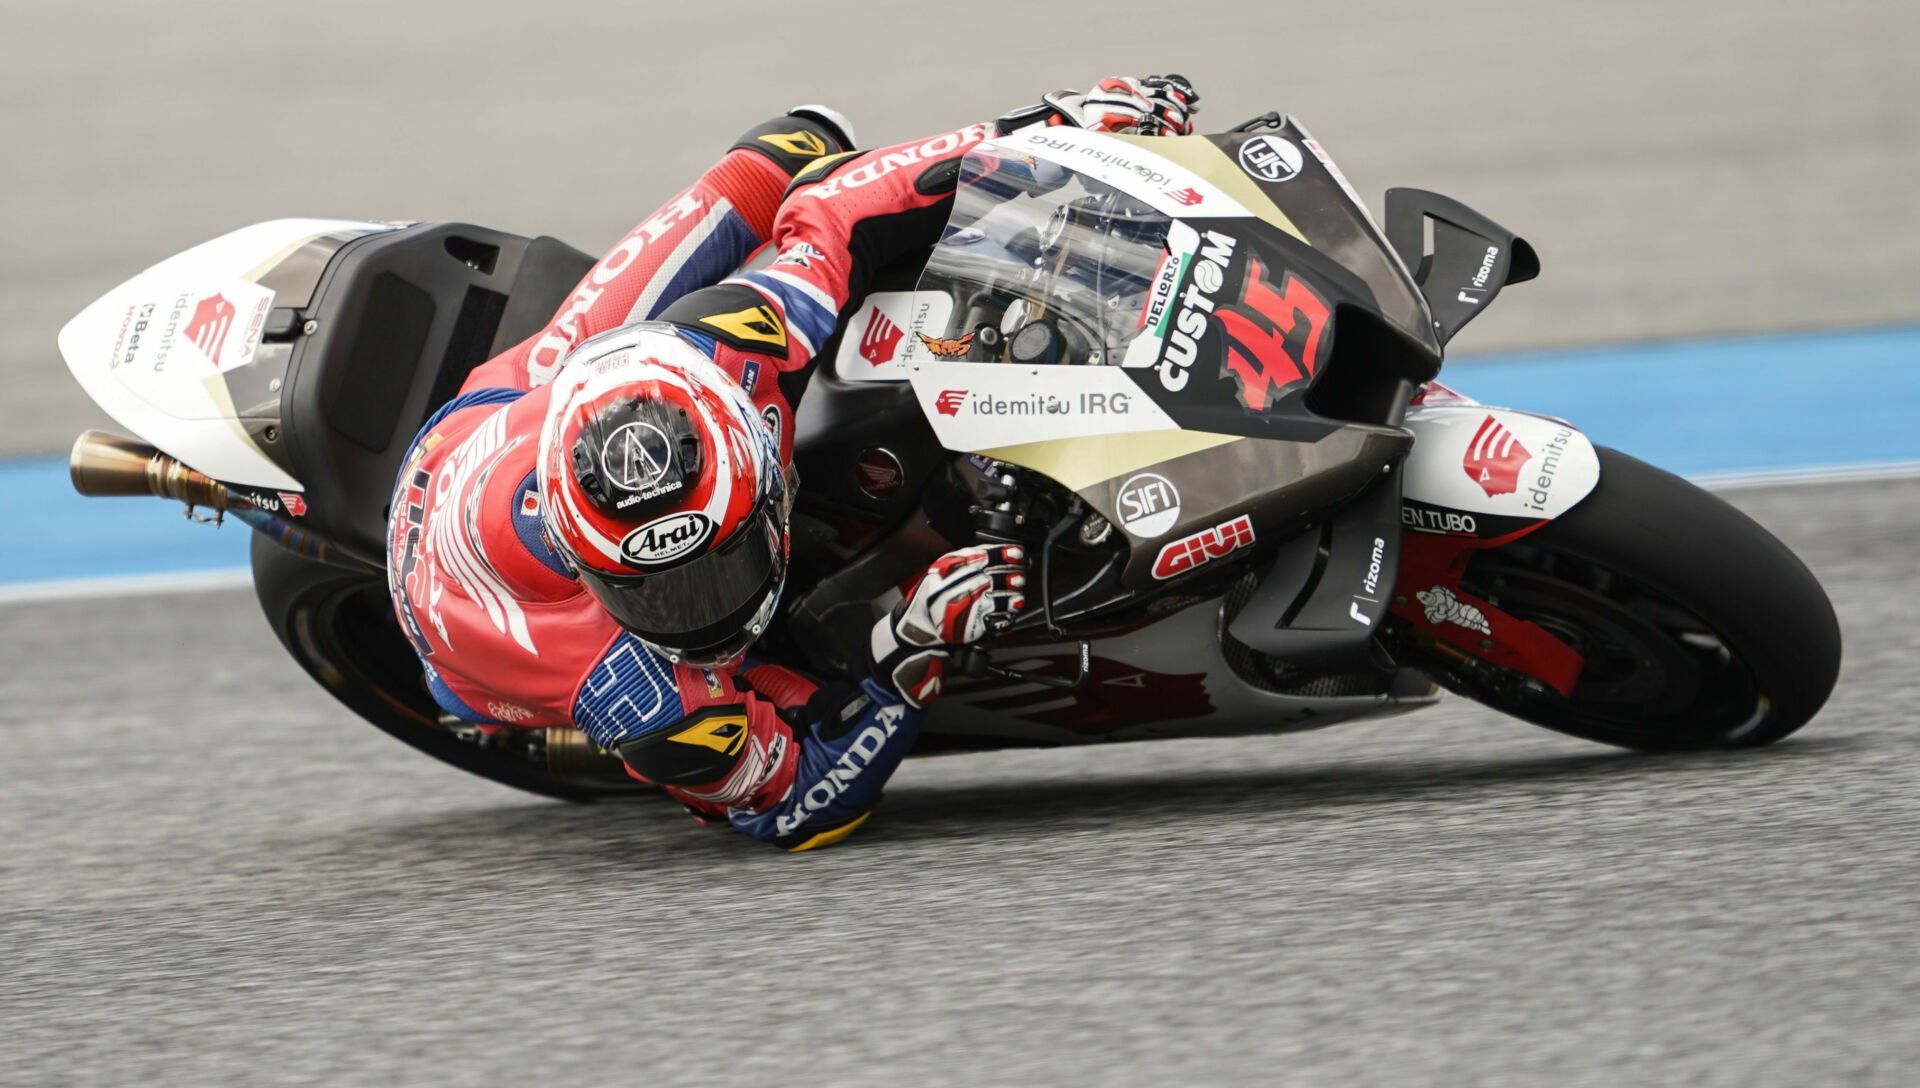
[208,328]
[881,338]
[295,505]
[667,539]
[1185,197]
[1203,547]
[950,401]
[1271,158]
[1147,505]
[946,349]
[1494,458]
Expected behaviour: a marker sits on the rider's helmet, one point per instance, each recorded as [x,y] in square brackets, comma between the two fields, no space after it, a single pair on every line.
[662,488]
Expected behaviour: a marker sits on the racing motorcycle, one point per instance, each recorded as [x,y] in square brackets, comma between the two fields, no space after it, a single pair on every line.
[1194,375]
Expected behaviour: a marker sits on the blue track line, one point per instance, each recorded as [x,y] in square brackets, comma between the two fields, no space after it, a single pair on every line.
[1700,408]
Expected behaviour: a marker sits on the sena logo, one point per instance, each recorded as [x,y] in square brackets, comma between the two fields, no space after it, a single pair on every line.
[881,339]
[667,539]
[208,328]
[1494,458]
[1203,547]
[950,401]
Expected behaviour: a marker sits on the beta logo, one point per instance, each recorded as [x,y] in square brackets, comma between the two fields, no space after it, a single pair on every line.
[1271,158]
[1203,547]
[948,402]
[1147,505]
[667,539]
[1494,458]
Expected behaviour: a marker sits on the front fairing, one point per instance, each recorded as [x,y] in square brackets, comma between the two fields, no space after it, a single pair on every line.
[1201,280]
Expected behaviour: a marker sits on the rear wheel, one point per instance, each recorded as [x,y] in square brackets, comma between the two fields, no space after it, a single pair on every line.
[339,625]
[1699,629]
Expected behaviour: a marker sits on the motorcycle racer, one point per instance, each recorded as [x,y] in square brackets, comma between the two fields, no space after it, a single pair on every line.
[593,533]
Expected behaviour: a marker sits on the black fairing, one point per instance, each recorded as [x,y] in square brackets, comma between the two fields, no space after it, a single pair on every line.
[1472,257]
[399,319]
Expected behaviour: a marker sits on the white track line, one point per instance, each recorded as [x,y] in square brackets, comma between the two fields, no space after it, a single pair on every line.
[127,585]
[140,585]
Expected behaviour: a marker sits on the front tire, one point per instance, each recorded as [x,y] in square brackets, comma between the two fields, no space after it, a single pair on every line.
[1700,630]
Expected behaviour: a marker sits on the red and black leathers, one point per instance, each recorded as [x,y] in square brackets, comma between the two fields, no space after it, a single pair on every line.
[509,638]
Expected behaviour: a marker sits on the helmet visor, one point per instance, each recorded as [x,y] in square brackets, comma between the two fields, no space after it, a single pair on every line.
[700,610]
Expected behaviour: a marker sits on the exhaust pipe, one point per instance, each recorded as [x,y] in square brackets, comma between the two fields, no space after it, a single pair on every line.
[103,464]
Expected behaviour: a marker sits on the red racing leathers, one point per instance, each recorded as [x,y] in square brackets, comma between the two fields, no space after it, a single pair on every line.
[509,638]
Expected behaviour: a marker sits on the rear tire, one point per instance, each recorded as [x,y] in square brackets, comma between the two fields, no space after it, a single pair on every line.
[339,625]
[1700,629]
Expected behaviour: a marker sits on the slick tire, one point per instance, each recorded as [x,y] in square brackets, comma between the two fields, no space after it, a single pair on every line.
[1700,629]
[339,625]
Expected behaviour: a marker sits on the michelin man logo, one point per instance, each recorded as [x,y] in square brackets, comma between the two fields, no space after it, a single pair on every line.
[1443,607]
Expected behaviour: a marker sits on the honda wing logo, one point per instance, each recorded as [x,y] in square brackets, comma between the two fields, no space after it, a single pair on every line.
[208,329]
[1494,458]
[882,337]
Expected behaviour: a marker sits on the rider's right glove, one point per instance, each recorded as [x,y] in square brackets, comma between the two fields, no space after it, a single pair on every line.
[963,597]
[1147,106]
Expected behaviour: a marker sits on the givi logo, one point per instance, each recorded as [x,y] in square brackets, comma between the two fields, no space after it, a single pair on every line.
[950,401]
[1203,547]
[209,325]
[1494,458]
[882,337]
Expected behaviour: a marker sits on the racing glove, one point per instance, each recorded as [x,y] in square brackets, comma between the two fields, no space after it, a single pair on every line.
[962,598]
[1147,106]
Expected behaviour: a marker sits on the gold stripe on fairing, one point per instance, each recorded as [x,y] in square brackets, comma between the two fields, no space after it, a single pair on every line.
[216,387]
[1082,462]
[253,274]
[1198,154]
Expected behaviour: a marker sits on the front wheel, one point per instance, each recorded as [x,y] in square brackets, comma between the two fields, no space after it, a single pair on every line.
[1699,629]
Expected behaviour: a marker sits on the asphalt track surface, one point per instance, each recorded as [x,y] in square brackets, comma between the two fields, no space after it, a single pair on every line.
[210,874]
[213,875]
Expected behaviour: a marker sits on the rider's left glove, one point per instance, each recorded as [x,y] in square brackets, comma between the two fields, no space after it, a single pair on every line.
[963,598]
[1146,106]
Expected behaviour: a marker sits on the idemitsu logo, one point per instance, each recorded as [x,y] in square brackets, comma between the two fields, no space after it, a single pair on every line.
[208,328]
[949,402]
[882,337]
[1494,458]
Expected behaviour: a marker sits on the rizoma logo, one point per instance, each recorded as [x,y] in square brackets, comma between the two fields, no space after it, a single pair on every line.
[1494,458]
[1196,302]
[882,337]
[1203,547]
[948,403]
[209,325]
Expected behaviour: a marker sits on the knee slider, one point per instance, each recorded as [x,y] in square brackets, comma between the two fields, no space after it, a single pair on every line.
[699,750]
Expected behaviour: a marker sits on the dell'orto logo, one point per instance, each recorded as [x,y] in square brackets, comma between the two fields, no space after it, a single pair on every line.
[636,456]
[1147,505]
[209,325]
[667,539]
[1271,158]
[1494,458]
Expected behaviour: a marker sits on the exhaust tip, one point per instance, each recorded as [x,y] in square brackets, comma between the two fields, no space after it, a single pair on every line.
[103,464]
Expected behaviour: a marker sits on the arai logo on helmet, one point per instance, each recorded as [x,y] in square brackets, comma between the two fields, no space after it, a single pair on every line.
[1270,158]
[667,539]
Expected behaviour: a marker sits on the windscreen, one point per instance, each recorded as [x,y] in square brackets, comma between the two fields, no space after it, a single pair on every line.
[1045,265]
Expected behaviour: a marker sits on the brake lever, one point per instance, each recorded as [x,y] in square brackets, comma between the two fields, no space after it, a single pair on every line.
[978,661]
